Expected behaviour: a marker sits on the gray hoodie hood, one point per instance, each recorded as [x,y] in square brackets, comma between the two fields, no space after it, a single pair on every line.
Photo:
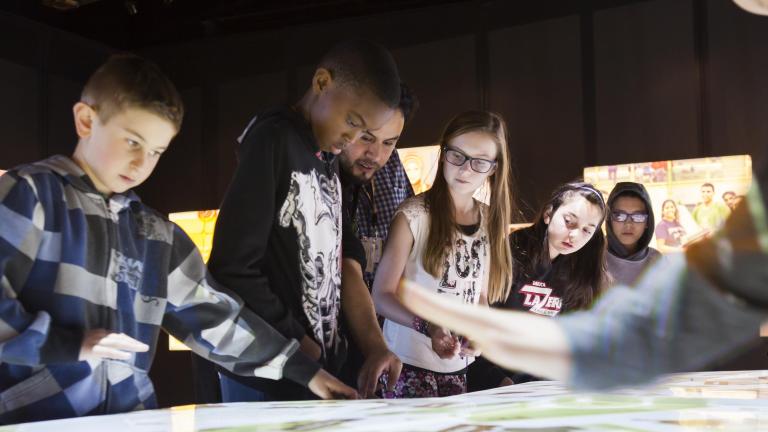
[614,245]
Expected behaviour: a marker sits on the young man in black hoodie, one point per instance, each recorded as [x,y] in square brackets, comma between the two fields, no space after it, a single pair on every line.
[629,232]
[278,237]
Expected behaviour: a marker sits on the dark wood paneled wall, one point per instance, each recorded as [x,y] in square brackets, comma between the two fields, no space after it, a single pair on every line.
[650,80]
[736,66]
[646,83]
[443,76]
[42,71]
[536,83]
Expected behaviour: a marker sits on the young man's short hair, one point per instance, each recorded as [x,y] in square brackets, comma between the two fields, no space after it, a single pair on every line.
[709,185]
[364,65]
[128,81]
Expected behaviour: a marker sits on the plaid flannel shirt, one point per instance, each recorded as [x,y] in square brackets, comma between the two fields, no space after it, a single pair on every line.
[72,260]
[392,188]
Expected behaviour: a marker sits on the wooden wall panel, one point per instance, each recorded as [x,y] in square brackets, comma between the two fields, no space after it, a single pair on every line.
[237,102]
[63,93]
[21,125]
[737,80]
[535,83]
[647,88]
[443,77]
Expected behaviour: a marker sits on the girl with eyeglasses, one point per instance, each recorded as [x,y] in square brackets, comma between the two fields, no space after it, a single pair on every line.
[630,232]
[455,246]
[558,266]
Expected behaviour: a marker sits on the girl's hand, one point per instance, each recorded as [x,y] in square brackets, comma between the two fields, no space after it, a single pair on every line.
[468,348]
[444,343]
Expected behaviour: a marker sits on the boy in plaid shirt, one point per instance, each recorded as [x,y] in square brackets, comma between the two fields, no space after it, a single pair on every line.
[89,274]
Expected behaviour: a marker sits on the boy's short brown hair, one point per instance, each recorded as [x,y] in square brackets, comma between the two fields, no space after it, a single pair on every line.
[129,81]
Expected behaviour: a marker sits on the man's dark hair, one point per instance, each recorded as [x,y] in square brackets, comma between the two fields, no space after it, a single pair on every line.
[364,65]
[128,81]
[409,103]
[709,185]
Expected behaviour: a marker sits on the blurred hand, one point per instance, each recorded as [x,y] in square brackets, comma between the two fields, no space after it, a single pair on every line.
[375,365]
[444,343]
[468,348]
[100,343]
[326,386]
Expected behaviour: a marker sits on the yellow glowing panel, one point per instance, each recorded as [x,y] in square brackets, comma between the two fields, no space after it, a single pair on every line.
[176,345]
[199,227]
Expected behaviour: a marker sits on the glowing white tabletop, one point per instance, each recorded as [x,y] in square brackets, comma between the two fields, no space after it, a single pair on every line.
[696,401]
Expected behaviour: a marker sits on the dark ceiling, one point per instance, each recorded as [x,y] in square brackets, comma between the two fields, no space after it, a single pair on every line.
[132,24]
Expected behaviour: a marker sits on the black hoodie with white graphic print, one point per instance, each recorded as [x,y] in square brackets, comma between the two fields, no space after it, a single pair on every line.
[277,241]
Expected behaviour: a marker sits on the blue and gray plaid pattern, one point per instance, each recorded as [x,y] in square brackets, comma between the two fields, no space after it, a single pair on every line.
[392,188]
[72,260]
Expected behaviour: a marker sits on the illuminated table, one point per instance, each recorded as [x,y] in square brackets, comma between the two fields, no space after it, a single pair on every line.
[707,400]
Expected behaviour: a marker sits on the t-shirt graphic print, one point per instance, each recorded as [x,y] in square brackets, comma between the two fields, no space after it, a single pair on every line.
[537,298]
[313,208]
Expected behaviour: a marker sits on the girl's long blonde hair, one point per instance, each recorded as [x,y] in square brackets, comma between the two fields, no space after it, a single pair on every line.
[442,227]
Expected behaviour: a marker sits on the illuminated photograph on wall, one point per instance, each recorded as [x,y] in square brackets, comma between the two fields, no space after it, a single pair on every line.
[691,197]
[420,165]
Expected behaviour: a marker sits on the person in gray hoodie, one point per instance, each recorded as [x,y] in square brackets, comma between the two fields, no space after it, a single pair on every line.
[629,232]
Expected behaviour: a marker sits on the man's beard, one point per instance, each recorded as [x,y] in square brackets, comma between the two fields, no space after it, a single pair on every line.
[347,171]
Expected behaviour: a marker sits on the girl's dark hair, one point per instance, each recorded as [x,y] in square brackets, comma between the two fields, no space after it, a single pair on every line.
[582,274]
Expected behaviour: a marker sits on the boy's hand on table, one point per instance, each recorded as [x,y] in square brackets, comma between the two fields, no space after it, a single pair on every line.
[327,386]
[377,364]
[101,343]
